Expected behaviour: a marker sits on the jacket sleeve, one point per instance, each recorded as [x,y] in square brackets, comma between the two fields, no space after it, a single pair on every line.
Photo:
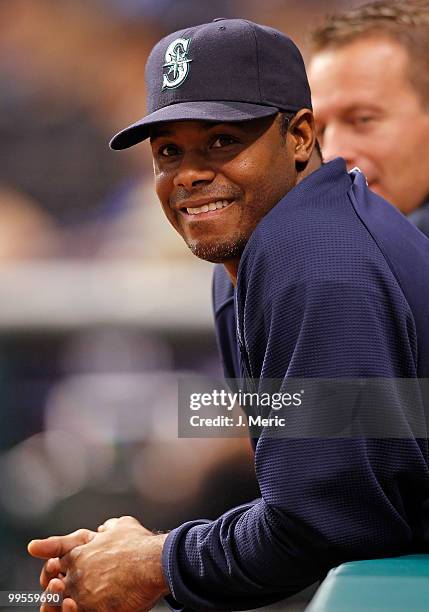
[324,501]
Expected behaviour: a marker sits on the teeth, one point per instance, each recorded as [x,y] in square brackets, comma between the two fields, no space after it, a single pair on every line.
[208,207]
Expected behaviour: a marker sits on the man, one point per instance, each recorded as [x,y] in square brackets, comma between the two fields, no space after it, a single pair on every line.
[369,74]
[330,281]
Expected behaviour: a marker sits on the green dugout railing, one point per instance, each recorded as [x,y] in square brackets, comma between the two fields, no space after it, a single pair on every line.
[382,585]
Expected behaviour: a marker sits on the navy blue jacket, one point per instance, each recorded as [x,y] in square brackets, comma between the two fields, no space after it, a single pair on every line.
[334,282]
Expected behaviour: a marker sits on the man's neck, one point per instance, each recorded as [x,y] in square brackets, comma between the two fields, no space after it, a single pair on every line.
[231,266]
[314,164]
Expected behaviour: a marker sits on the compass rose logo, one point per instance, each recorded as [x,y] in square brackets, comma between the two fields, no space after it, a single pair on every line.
[176,63]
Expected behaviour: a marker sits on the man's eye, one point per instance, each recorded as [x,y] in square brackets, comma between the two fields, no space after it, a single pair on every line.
[363,119]
[168,150]
[223,141]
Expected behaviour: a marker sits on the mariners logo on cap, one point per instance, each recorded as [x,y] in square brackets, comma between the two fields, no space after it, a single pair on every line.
[176,63]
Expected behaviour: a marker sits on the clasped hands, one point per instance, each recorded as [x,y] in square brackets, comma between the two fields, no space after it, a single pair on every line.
[114,569]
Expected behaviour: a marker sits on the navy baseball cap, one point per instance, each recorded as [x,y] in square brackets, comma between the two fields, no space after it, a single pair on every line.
[223,71]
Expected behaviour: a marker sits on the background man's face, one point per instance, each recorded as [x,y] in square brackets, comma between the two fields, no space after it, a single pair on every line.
[216,181]
[368,112]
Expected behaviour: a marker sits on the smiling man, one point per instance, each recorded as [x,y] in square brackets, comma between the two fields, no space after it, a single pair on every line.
[369,76]
[216,181]
[327,281]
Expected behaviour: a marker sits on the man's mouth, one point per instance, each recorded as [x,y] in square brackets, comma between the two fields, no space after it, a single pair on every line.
[208,207]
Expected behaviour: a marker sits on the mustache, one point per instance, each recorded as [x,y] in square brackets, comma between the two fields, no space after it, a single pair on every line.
[182,194]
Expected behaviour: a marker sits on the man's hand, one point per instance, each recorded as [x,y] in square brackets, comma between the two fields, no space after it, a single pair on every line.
[117,569]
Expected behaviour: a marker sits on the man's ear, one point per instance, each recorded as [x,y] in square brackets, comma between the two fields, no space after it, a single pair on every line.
[303,134]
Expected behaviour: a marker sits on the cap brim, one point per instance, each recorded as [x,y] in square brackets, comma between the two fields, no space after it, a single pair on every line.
[188,111]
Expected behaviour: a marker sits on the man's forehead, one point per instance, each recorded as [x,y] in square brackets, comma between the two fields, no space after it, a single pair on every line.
[359,74]
[361,60]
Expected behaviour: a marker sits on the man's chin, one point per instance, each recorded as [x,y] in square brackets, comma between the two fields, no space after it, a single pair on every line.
[218,252]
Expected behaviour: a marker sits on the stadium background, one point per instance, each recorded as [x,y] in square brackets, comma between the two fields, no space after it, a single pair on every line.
[101,305]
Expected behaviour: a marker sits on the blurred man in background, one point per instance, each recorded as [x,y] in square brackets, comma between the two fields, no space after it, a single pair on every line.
[369,74]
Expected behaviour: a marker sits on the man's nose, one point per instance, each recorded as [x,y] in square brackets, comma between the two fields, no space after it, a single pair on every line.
[194,170]
[337,142]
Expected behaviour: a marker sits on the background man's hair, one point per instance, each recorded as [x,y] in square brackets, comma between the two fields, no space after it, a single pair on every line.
[404,21]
